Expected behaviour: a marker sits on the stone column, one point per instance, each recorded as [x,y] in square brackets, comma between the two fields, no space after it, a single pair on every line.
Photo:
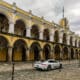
[68,40]
[10,49]
[61,37]
[28,28]
[61,54]
[28,54]
[77,42]
[28,32]
[41,34]
[52,35]
[41,55]
[73,41]
[52,54]
[74,54]
[69,53]
[11,27]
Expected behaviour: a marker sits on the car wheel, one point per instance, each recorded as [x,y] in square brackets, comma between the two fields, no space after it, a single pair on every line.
[49,68]
[60,66]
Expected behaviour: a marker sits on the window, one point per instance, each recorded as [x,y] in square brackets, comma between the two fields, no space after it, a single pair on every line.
[51,61]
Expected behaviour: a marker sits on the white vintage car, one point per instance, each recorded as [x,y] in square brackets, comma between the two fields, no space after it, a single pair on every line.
[47,64]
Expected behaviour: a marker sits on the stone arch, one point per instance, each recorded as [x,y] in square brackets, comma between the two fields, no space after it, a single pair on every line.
[23,20]
[19,50]
[57,51]
[46,34]
[3,49]
[35,31]
[4,23]
[6,15]
[20,28]
[64,38]
[35,51]
[56,36]
[65,53]
[46,51]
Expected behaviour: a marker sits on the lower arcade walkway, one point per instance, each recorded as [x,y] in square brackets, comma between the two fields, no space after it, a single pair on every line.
[20,49]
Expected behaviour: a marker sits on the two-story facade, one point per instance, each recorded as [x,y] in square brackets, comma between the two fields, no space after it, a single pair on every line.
[25,37]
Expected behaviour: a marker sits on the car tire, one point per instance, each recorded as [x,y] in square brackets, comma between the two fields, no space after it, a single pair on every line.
[60,66]
[49,67]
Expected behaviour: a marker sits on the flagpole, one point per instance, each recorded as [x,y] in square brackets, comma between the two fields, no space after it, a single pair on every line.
[63,12]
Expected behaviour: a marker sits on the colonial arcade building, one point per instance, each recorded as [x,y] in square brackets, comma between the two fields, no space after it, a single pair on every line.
[25,37]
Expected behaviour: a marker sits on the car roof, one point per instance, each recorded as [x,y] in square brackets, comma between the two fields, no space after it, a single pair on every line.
[46,60]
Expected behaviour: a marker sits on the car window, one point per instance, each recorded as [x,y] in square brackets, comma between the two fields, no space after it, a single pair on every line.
[52,61]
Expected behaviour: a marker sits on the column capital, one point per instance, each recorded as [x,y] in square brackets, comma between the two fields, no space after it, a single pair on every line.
[41,30]
[52,30]
[11,22]
[52,50]
[29,22]
[28,27]
[10,47]
[41,49]
[51,34]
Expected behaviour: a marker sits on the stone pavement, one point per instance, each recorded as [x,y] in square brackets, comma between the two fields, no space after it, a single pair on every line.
[25,71]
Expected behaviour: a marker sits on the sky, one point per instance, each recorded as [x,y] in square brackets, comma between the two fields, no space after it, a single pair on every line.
[52,10]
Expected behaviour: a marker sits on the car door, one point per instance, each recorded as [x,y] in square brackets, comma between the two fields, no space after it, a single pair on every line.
[53,64]
[56,64]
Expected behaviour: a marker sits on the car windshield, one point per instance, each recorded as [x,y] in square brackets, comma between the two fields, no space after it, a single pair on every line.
[52,61]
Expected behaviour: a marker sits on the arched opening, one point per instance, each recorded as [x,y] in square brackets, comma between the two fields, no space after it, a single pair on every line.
[20,28]
[46,51]
[56,36]
[57,52]
[46,35]
[72,53]
[71,41]
[79,43]
[79,54]
[35,32]
[65,53]
[4,23]
[76,54]
[35,51]
[3,49]
[19,51]
[64,38]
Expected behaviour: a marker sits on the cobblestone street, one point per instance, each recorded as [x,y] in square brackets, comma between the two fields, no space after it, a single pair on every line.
[25,71]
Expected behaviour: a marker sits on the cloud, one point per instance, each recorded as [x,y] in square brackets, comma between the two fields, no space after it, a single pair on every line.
[72,12]
[41,8]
